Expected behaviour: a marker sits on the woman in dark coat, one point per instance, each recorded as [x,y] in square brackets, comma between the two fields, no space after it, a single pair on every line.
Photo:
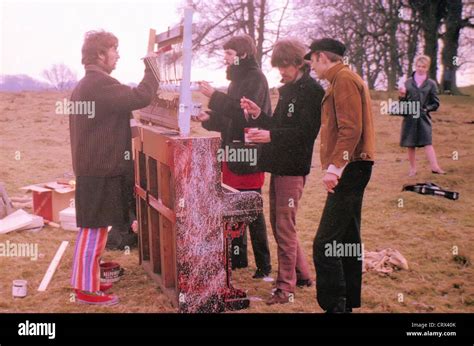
[226,116]
[416,129]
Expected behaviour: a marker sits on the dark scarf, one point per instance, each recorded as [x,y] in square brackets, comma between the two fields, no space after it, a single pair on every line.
[236,72]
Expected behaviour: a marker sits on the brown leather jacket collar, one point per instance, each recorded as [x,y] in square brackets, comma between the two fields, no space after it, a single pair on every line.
[331,73]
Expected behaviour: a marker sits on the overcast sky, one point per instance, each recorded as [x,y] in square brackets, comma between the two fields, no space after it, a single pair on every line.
[36,34]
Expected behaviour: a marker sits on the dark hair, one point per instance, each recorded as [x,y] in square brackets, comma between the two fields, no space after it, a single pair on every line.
[288,52]
[95,43]
[242,44]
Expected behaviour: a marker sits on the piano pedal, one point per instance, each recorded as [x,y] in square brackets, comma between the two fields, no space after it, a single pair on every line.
[236,299]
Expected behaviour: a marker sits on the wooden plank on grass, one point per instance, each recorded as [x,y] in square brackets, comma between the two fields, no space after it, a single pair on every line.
[53,266]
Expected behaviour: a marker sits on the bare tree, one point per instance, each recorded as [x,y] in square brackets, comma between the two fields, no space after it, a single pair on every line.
[263,20]
[466,54]
[454,23]
[390,11]
[409,33]
[431,13]
[369,28]
[60,76]
[382,36]
[452,16]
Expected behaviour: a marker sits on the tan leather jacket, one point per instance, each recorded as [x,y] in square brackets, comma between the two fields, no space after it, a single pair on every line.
[347,128]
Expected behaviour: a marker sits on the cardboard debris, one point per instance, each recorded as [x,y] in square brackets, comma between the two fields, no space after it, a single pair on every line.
[22,202]
[26,205]
[36,225]
[21,220]
[50,198]
[6,206]
[21,199]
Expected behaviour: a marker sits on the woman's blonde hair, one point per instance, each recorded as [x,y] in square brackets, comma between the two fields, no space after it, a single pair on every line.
[423,58]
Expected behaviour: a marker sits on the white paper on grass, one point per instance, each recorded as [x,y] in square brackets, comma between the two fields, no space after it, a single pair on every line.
[36,225]
[15,221]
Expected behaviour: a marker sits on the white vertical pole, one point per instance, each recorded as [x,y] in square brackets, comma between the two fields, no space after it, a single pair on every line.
[185,100]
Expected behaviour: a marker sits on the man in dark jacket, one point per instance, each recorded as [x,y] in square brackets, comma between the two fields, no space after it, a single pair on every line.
[287,155]
[227,117]
[101,158]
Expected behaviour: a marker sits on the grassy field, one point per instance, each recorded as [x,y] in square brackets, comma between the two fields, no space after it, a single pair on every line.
[425,230]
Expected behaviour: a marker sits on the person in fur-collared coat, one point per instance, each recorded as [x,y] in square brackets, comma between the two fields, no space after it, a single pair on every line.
[417,129]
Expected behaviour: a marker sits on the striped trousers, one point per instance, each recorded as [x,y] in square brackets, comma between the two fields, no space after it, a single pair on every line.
[89,247]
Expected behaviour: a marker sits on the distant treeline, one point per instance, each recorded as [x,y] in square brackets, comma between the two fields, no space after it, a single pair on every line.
[21,82]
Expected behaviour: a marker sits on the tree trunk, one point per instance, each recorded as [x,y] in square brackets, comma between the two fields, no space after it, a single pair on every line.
[261,31]
[451,45]
[431,12]
[392,23]
[251,20]
[412,42]
[394,64]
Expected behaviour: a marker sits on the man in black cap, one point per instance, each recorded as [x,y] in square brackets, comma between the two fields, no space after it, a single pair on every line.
[347,155]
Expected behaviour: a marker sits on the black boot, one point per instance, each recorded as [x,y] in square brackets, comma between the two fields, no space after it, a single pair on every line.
[339,307]
[304,283]
[260,273]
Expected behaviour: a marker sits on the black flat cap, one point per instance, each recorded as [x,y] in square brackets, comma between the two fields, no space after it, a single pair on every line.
[327,45]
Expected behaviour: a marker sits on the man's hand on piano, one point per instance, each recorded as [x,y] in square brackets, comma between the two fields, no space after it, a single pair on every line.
[203,116]
[150,55]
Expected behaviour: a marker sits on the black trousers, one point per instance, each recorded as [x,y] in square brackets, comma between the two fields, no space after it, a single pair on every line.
[258,236]
[341,275]
[121,235]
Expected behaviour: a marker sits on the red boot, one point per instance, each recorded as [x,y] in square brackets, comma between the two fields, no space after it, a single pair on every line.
[96,298]
[105,286]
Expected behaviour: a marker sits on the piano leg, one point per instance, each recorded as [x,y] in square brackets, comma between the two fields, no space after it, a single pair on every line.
[234,298]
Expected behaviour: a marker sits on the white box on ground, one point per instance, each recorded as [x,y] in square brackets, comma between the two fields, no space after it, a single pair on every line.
[67,218]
